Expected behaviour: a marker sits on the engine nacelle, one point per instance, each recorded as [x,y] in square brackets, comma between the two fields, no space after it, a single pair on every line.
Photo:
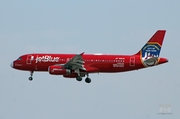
[58,70]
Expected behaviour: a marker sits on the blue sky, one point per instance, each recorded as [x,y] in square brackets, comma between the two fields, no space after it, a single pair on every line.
[103,26]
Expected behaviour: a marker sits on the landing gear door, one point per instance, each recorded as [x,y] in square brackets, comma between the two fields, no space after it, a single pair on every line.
[29,60]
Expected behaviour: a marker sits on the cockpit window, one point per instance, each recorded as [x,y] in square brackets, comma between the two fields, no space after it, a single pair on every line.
[19,58]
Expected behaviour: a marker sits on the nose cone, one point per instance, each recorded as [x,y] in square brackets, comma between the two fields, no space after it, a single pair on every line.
[12,64]
[163,60]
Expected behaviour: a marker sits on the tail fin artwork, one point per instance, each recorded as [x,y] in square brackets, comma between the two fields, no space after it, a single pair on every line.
[151,50]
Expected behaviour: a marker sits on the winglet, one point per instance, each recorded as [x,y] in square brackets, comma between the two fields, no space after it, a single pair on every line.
[82,53]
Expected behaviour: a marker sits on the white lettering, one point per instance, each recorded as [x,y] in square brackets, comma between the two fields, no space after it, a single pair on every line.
[47,58]
[118,65]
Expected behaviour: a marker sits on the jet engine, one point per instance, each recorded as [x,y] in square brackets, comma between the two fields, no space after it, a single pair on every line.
[58,70]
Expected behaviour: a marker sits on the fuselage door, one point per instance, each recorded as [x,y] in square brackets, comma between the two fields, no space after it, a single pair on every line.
[132,61]
[29,60]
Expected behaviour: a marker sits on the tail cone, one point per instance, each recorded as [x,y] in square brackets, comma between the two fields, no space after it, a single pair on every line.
[162,60]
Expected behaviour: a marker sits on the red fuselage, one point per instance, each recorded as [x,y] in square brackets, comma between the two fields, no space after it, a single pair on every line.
[102,62]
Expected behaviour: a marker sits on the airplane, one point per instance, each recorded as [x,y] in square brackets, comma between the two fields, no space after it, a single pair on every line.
[81,65]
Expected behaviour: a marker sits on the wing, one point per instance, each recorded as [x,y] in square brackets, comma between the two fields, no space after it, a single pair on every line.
[75,63]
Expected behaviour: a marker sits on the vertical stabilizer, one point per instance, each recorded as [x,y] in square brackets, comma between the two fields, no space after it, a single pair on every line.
[149,54]
[153,47]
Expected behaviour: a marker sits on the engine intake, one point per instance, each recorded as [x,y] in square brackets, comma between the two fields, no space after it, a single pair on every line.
[58,70]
